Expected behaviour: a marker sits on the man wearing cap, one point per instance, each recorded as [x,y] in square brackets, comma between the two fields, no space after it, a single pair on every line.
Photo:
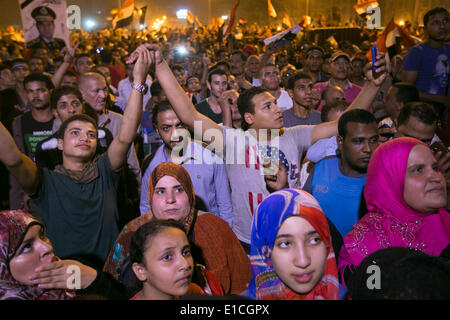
[313,64]
[339,71]
[45,23]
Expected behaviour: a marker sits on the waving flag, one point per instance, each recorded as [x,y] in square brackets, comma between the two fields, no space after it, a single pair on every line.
[287,20]
[271,9]
[190,18]
[386,42]
[362,6]
[124,16]
[229,27]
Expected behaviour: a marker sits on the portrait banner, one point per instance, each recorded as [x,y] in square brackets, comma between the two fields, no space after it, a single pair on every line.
[45,21]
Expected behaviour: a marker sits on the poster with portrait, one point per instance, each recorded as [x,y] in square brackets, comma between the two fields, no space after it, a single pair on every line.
[45,21]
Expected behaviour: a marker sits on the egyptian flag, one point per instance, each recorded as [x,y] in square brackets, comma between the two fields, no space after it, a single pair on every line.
[271,9]
[387,41]
[190,18]
[125,15]
[287,20]
[229,27]
[198,22]
[362,6]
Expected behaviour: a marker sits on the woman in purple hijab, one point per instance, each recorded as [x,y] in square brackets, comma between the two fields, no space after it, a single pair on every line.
[406,197]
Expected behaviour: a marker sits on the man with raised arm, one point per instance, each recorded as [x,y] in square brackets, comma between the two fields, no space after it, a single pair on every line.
[253,154]
[77,200]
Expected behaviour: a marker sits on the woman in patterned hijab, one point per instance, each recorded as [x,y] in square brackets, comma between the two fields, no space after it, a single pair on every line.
[15,227]
[291,253]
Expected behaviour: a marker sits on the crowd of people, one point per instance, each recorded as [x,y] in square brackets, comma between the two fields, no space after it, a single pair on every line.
[182,163]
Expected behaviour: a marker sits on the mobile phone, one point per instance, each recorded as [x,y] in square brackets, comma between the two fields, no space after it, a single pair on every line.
[387,135]
[439,146]
[374,52]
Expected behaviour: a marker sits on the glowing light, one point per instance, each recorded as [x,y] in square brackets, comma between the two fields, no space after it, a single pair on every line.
[278,28]
[90,24]
[401,23]
[182,50]
[158,23]
[182,14]
[224,17]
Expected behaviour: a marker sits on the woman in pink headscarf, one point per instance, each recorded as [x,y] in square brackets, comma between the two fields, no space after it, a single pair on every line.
[406,197]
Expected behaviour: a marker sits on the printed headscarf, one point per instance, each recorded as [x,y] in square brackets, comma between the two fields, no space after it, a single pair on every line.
[14,224]
[268,218]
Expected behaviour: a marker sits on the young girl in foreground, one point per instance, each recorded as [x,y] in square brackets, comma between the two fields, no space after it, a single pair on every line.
[161,259]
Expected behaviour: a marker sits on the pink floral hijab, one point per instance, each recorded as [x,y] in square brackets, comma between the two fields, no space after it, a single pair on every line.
[391,222]
[13,226]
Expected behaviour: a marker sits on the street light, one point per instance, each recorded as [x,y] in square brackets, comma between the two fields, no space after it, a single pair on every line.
[90,24]
[182,14]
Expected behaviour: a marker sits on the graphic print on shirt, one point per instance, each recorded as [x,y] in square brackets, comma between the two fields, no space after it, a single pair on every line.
[268,153]
[440,75]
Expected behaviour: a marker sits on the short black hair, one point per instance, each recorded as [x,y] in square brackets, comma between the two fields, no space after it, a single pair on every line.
[221,63]
[354,115]
[312,48]
[78,117]
[155,88]
[295,77]
[406,92]
[145,233]
[63,91]
[39,77]
[423,111]
[241,53]
[432,12]
[216,71]
[106,55]
[245,103]
[160,107]
[327,108]
[177,67]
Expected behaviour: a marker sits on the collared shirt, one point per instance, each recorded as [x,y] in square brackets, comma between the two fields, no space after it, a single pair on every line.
[351,90]
[209,179]
[124,90]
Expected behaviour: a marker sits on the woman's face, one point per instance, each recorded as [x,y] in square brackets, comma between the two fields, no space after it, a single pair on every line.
[425,187]
[34,251]
[167,265]
[299,255]
[170,200]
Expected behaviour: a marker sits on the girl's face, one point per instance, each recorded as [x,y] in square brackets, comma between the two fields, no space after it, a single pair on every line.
[167,265]
[299,255]
[34,251]
[425,187]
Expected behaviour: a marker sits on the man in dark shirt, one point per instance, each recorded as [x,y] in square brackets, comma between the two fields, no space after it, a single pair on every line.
[217,83]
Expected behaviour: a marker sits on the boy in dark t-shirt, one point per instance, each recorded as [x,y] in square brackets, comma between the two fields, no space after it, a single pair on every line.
[77,199]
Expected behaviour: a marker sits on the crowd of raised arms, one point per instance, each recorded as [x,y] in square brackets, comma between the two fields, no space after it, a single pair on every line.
[231,168]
